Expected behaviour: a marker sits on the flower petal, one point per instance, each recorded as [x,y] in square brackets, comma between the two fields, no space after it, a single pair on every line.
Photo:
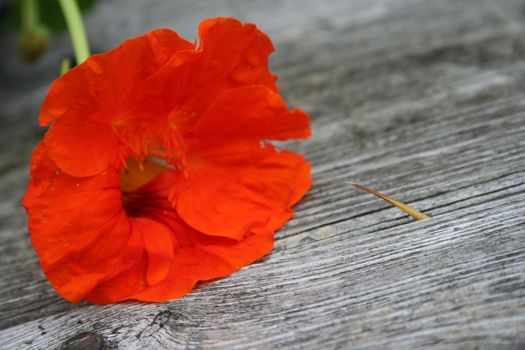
[111,255]
[65,213]
[169,289]
[146,279]
[131,285]
[251,112]
[198,256]
[86,102]
[81,147]
[235,51]
[159,247]
[104,80]
[69,219]
[207,257]
[239,188]
[231,55]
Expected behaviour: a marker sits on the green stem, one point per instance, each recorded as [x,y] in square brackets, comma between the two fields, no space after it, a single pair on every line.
[30,16]
[65,66]
[76,29]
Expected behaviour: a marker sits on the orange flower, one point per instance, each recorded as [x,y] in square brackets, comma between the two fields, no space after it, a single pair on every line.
[155,174]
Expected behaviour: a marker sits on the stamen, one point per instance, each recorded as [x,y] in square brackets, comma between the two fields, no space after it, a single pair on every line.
[139,172]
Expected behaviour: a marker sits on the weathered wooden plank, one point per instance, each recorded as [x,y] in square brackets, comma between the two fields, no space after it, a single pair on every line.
[420,99]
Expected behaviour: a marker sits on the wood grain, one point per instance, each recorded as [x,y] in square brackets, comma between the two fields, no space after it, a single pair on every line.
[422,100]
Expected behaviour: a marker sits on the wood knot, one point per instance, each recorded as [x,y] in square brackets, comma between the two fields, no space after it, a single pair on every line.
[84,341]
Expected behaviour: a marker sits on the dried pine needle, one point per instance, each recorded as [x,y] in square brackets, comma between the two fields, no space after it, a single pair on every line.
[410,211]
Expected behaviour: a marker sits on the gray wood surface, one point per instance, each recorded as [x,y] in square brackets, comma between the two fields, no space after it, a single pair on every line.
[420,99]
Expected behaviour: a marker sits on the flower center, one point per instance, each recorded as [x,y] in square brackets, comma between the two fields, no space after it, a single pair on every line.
[142,196]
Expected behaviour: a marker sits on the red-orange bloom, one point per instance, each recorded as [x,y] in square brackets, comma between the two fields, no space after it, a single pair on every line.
[155,173]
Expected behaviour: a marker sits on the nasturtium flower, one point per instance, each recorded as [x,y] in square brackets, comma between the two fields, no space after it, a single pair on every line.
[156,171]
